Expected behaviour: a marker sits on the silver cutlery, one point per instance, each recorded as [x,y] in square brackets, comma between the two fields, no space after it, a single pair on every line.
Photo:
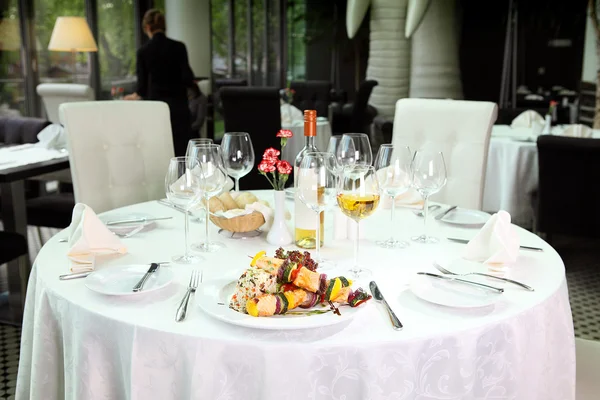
[430,208]
[179,208]
[136,220]
[466,282]
[195,278]
[445,271]
[75,275]
[140,285]
[379,297]
[443,214]
[121,235]
[465,241]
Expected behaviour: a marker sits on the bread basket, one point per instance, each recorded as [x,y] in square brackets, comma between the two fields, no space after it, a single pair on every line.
[243,223]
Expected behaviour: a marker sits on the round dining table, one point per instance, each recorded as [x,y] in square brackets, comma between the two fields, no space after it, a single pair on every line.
[79,344]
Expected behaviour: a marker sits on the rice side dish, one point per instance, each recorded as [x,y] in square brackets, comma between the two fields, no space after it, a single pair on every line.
[254,282]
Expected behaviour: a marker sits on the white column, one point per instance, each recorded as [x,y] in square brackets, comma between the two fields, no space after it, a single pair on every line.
[189,22]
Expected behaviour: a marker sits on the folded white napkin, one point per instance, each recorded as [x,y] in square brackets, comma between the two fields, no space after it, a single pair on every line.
[88,238]
[527,119]
[289,114]
[578,130]
[52,137]
[409,199]
[267,212]
[496,243]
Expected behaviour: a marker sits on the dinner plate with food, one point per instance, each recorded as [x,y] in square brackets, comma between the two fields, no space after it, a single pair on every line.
[282,292]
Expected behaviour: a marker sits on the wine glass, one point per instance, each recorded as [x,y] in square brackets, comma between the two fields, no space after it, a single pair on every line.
[182,187]
[428,176]
[393,171]
[358,198]
[317,189]
[354,148]
[334,142]
[195,142]
[238,155]
[213,180]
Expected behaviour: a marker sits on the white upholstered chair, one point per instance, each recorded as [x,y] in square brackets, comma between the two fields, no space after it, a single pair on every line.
[461,130]
[55,94]
[588,363]
[119,151]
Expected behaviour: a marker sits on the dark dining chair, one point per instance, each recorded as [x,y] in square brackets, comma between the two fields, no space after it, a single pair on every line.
[312,95]
[356,116]
[255,110]
[569,170]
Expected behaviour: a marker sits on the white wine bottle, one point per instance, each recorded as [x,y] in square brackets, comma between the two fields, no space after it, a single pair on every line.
[305,221]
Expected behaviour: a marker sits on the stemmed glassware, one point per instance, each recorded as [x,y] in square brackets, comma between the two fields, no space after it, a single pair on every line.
[212,181]
[428,176]
[238,155]
[354,149]
[393,171]
[358,197]
[183,188]
[196,142]
[317,189]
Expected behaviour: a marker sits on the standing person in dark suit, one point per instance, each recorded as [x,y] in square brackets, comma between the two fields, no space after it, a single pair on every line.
[164,74]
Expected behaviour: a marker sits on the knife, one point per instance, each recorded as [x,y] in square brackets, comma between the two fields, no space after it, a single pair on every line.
[465,241]
[453,279]
[140,285]
[75,275]
[134,220]
[443,214]
[379,297]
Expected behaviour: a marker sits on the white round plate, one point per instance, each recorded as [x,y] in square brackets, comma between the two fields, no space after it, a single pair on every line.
[128,227]
[451,294]
[120,280]
[464,217]
[211,293]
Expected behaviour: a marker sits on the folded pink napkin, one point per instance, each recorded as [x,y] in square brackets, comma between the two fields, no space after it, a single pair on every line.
[496,243]
[88,238]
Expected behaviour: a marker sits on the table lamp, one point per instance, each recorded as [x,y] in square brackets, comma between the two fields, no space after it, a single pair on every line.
[72,34]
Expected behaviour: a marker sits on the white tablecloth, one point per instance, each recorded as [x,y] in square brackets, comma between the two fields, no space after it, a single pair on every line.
[296,143]
[77,344]
[512,172]
[16,156]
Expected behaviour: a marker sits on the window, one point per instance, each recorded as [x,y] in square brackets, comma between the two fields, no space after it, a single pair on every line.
[220,37]
[12,85]
[58,66]
[116,46]
[296,24]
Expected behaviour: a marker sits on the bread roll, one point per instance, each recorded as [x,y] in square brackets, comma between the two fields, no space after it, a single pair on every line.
[228,201]
[215,205]
[245,198]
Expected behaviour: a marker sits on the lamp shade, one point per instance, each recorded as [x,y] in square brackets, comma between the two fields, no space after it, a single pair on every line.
[72,34]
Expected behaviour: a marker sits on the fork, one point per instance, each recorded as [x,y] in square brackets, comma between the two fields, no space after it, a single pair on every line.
[445,271]
[130,234]
[192,286]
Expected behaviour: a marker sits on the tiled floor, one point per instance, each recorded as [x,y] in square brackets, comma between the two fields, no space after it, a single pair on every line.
[582,260]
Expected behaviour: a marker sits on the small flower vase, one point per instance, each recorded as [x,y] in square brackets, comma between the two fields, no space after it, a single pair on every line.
[280,234]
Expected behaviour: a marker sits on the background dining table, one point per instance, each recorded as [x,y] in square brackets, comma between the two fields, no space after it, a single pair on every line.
[296,143]
[78,344]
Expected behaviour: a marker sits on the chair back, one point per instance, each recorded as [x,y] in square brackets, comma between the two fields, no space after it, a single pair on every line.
[312,95]
[119,151]
[55,94]
[255,110]
[21,130]
[459,129]
[568,191]
[359,111]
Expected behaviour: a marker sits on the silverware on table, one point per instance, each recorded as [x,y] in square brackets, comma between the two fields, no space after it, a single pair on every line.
[379,297]
[465,241]
[195,278]
[444,213]
[445,271]
[75,275]
[140,285]
[130,234]
[466,282]
[136,220]
[180,209]
[431,208]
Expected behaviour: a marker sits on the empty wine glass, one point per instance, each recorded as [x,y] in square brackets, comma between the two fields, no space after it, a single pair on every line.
[212,181]
[182,187]
[354,149]
[238,155]
[393,171]
[428,176]
[358,197]
[195,142]
[317,189]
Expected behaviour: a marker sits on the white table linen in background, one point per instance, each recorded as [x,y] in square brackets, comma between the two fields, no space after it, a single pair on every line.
[16,156]
[296,143]
[77,344]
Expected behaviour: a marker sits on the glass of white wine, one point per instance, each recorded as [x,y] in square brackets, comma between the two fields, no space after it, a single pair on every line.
[358,197]
[317,189]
